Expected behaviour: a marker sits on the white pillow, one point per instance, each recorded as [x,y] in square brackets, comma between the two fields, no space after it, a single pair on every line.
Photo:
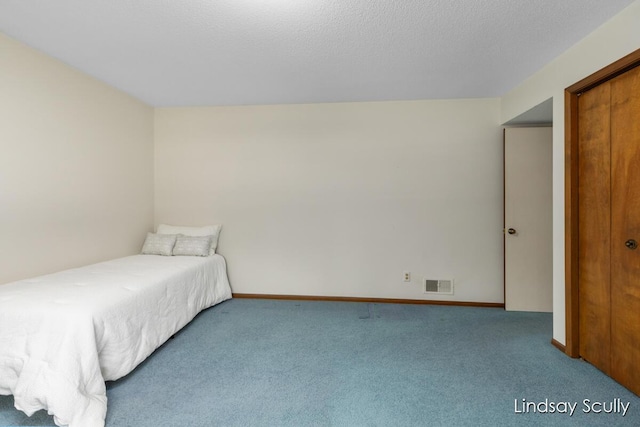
[159,244]
[208,230]
[192,245]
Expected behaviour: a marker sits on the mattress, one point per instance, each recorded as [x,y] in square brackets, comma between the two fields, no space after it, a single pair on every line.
[62,335]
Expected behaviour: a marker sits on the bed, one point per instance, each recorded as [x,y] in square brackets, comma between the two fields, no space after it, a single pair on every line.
[63,335]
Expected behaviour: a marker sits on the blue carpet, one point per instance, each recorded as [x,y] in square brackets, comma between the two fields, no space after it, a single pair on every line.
[292,363]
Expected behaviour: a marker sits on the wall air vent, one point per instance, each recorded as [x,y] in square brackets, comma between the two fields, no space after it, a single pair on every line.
[438,287]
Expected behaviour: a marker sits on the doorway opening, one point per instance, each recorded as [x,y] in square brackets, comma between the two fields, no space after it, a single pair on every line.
[527,213]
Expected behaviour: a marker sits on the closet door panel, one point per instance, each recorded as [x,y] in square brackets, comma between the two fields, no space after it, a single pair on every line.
[625,220]
[594,216]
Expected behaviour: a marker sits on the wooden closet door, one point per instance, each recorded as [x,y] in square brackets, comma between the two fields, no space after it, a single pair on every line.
[609,223]
[625,227]
[594,218]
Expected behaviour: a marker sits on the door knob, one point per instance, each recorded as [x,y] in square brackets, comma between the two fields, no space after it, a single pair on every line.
[511,231]
[631,244]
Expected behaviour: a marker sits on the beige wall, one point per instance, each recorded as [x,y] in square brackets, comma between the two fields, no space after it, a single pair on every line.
[424,175]
[76,166]
[613,40]
[340,199]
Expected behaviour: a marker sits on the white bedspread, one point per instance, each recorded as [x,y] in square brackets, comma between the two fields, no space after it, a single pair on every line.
[62,335]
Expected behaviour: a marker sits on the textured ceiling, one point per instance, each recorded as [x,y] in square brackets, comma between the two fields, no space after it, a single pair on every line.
[233,52]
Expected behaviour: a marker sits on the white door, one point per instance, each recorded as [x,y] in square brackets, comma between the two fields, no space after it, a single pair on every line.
[528,220]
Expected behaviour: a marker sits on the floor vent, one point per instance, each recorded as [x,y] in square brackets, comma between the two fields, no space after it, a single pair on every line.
[438,286]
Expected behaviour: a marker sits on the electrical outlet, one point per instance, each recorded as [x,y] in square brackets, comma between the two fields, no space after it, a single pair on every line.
[406,277]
